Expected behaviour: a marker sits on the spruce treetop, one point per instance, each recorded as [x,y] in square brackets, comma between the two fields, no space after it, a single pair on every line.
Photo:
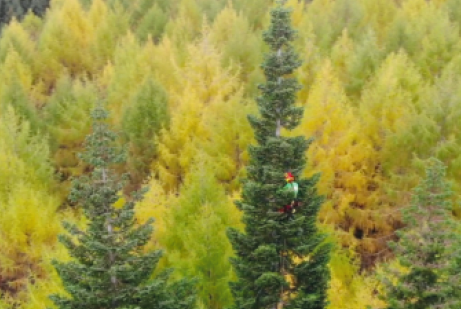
[276,103]
[276,246]
[428,249]
[110,268]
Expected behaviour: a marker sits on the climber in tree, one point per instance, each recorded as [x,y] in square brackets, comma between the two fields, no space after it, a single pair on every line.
[291,187]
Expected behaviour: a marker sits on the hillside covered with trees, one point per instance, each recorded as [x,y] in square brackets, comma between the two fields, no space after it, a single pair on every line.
[381,98]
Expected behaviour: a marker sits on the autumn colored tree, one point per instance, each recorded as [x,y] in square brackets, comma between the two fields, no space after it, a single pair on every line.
[195,235]
[205,92]
[27,201]
[380,85]
[141,123]
[275,246]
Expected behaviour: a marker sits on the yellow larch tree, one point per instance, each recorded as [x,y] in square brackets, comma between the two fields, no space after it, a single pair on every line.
[194,236]
[393,92]
[187,23]
[66,115]
[17,89]
[427,34]
[431,131]
[109,26]
[349,287]
[155,204]
[204,84]
[122,78]
[340,55]
[256,11]
[240,46]
[389,95]
[167,59]
[64,43]
[363,62]
[311,57]
[15,37]
[223,136]
[342,156]
[330,18]
[14,70]
[379,14]
[28,224]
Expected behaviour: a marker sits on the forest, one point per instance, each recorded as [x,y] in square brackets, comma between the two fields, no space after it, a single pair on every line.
[381,97]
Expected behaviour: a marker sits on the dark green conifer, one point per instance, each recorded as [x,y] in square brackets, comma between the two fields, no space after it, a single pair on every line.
[109,266]
[428,275]
[275,246]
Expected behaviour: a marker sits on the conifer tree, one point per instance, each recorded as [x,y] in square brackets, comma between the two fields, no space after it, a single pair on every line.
[426,249]
[281,259]
[17,9]
[110,268]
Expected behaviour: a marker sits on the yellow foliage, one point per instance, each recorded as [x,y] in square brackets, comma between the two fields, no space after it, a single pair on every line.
[345,160]
[15,37]
[203,85]
[155,204]
[64,42]
[223,137]
[365,116]
[109,27]
[15,70]
[188,23]
[28,224]
[129,70]
[348,288]
[241,47]
[379,14]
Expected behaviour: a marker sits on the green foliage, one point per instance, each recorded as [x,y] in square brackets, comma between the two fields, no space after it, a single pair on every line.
[279,260]
[380,87]
[18,9]
[68,124]
[428,131]
[255,11]
[15,96]
[431,45]
[109,266]
[146,114]
[330,18]
[195,238]
[239,45]
[27,202]
[363,63]
[428,277]
[152,23]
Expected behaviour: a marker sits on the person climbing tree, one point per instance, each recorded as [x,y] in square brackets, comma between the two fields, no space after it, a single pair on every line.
[279,262]
[292,188]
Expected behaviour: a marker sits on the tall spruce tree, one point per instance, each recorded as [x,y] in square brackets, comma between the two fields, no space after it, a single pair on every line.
[428,273]
[281,260]
[110,268]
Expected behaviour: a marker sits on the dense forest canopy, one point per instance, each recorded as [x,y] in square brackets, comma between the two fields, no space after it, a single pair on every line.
[19,8]
[380,90]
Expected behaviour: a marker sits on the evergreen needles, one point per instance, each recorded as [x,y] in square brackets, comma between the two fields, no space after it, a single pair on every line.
[110,268]
[428,274]
[281,261]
